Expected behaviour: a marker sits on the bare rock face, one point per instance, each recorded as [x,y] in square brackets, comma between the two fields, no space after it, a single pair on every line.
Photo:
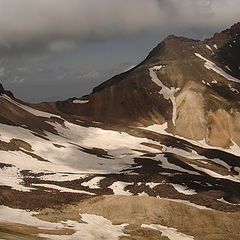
[1,89]
[191,121]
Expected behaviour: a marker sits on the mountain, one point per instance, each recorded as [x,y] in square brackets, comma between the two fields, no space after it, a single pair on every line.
[199,97]
[152,153]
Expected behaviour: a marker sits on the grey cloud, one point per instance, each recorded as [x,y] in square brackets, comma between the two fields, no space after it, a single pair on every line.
[59,24]
[29,20]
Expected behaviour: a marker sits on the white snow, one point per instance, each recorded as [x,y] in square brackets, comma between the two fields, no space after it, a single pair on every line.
[227,67]
[152,185]
[235,149]
[62,189]
[143,194]
[168,93]
[95,227]
[118,188]
[80,101]
[93,183]
[233,89]
[61,177]
[203,82]
[212,66]
[188,203]
[157,128]
[23,217]
[79,163]
[207,46]
[29,109]
[11,176]
[215,45]
[171,233]
[214,82]
[224,201]
[216,175]
[183,189]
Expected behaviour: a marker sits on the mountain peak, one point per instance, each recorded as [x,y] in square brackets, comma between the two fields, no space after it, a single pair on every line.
[1,88]
[3,91]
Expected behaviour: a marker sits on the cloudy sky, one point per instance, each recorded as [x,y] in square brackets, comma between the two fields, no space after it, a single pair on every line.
[55,49]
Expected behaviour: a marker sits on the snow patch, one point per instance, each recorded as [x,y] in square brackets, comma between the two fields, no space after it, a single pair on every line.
[171,233]
[23,217]
[183,189]
[215,45]
[224,201]
[93,183]
[29,109]
[95,227]
[233,89]
[80,101]
[152,185]
[214,81]
[212,66]
[208,47]
[227,67]
[118,188]
[168,93]
[11,176]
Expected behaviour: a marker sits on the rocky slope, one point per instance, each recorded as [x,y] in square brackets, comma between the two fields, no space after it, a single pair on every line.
[152,153]
[199,97]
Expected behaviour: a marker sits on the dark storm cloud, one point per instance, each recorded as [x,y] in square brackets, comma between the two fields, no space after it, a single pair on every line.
[59,24]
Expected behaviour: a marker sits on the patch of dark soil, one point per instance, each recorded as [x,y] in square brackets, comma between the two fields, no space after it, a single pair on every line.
[37,199]
[40,136]
[3,165]
[58,145]
[97,152]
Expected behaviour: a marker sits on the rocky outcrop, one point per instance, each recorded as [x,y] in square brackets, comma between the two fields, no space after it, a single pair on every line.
[3,91]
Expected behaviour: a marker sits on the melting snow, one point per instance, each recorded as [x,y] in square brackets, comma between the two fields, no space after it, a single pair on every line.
[207,46]
[118,188]
[171,233]
[235,149]
[11,176]
[95,227]
[93,183]
[215,174]
[224,201]
[79,163]
[183,189]
[80,101]
[212,66]
[227,67]
[23,217]
[233,89]
[152,185]
[168,93]
[143,194]
[29,109]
